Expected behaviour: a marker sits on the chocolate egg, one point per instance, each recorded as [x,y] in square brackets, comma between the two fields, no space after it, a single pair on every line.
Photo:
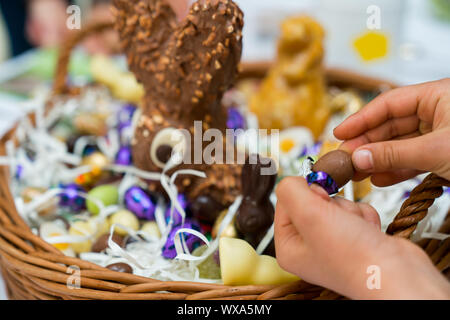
[102,242]
[338,164]
[120,267]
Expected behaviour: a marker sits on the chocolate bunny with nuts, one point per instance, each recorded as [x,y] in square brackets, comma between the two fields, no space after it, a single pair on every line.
[185,68]
[256,212]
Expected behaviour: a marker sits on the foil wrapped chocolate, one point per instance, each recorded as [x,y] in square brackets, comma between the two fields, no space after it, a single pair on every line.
[176,215]
[332,171]
[192,241]
[70,197]
[140,202]
[123,156]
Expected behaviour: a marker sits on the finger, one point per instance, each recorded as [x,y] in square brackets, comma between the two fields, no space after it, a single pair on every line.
[384,179]
[419,100]
[360,176]
[370,214]
[285,235]
[320,191]
[409,136]
[417,153]
[388,130]
[304,206]
[348,206]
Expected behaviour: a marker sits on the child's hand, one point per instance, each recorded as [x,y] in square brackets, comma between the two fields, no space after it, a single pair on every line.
[401,133]
[331,242]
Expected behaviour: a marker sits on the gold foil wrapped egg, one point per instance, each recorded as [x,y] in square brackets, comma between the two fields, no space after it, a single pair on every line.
[230,230]
[97,161]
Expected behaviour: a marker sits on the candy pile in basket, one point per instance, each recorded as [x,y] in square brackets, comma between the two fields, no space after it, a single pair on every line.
[76,183]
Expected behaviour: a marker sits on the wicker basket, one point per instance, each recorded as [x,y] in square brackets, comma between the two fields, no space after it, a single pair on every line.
[34,269]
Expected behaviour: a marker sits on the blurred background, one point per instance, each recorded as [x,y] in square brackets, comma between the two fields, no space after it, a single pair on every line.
[403,41]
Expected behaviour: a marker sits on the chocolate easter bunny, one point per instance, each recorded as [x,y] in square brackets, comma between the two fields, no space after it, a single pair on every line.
[256,212]
[185,68]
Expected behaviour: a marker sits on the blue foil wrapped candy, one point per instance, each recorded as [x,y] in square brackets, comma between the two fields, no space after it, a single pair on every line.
[235,119]
[140,202]
[324,180]
[176,216]
[71,199]
[124,116]
[123,156]
[192,241]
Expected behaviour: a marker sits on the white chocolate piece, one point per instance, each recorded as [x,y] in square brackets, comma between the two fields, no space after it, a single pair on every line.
[241,265]
[151,228]
[167,136]
[125,218]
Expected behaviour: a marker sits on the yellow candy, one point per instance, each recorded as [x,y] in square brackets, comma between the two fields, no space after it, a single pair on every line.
[126,219]
[151,228]
[100,227]
[84,229]
[91,228]
[241,265]
[230,230]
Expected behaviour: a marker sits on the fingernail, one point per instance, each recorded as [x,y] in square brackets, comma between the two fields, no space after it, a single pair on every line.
[363,159]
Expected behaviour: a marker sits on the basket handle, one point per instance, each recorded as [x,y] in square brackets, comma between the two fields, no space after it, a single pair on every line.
[60,84]
[415,208]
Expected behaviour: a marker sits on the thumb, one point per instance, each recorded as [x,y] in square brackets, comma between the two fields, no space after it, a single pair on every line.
[420,153]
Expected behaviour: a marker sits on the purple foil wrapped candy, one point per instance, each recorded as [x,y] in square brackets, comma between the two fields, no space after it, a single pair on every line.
[324,180]
[177,218]
[192,241]
[123,156]
[19,172]
[311,151]
[140,203]
[235,119]
[125,115]
[71,199]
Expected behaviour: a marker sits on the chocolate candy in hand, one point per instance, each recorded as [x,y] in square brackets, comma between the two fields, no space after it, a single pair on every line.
[332,171]
[256,212]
